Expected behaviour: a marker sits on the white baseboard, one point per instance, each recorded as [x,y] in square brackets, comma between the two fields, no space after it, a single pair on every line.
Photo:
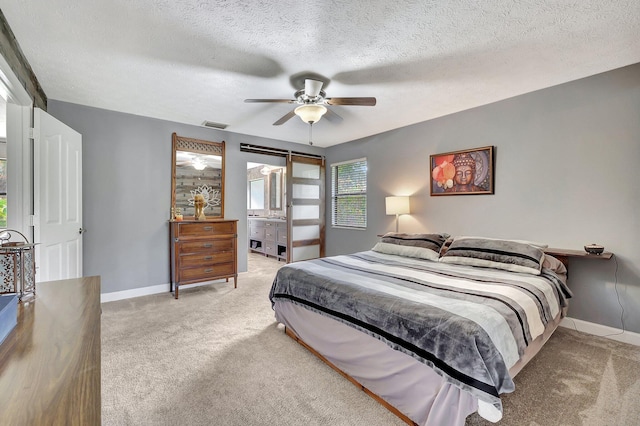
[601,330]
[145,291]
[136,292]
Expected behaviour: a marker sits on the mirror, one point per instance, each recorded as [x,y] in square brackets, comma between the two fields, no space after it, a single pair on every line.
[275,190]
[198,168]
[256,194]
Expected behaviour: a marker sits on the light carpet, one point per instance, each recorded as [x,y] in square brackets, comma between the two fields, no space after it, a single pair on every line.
[217,357]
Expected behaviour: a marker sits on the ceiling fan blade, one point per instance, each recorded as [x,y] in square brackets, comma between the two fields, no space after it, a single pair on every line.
[332,116]
[351,101]
[285,118]
[286,101]
[312,87]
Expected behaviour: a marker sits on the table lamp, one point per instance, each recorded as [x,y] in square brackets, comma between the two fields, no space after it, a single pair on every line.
[397,205]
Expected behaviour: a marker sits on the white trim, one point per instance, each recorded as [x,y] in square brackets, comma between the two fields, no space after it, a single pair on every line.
[349,227]
[348,162]
[147,291]
[600,330]
[19,166]
[14,89]
[136,292]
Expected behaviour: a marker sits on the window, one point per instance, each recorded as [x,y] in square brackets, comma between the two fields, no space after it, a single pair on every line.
[349,194]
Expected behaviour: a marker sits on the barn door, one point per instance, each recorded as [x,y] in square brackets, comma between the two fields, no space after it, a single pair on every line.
[305,201]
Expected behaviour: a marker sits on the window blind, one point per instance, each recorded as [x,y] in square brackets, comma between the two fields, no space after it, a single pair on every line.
[349,194]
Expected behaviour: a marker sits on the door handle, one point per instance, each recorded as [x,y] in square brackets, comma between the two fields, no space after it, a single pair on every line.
[81,230]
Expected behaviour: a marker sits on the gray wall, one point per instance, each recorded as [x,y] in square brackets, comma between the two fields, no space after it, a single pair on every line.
[567,173]
[127,191]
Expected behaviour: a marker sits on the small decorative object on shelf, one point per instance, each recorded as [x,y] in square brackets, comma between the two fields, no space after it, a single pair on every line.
[176,214]
[594,249]
[17,265]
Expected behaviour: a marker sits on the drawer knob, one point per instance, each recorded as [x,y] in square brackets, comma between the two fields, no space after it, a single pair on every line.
[208,228]
[207,245]
[208,257]
[208,270]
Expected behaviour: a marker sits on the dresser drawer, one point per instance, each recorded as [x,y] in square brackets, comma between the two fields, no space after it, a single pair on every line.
[206,228]
[269,225]
[221,244]
[270,234]
[257,233]
[203,251]
[271,249]
[206,259]
[206,272]
[255,223]
[282,237]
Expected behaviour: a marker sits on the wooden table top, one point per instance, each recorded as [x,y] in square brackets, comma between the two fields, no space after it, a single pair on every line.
[577,253]
[50,363]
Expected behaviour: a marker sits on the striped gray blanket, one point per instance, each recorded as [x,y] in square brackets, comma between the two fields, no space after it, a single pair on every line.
[469,324]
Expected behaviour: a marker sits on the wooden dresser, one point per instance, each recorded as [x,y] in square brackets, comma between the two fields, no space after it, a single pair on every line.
[50,362]
[203,250]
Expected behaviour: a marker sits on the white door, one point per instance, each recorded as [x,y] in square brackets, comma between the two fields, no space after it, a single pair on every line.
[305,198]
[57,192]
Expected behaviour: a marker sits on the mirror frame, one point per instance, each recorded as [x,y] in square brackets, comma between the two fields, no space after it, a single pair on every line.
[180,143]
[277,177]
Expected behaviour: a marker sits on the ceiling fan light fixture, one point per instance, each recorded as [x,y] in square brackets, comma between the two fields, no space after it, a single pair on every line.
[310,113]
[198,164]
[312,88]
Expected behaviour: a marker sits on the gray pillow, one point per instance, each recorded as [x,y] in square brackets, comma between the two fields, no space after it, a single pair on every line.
[423,246]
[491,253]
[430,241]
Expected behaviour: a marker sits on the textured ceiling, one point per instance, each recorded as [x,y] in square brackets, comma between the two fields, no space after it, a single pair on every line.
[195,60]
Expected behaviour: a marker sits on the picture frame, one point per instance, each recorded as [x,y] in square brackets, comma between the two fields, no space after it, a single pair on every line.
[466,172]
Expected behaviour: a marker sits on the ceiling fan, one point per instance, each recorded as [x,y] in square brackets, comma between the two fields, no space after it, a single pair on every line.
[312,100]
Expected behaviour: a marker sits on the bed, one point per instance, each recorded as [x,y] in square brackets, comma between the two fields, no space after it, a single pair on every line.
[435,328]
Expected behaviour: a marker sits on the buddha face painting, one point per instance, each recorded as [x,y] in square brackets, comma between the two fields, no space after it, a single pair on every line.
[469,171]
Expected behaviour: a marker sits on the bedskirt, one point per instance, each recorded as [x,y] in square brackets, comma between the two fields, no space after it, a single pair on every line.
[410,386]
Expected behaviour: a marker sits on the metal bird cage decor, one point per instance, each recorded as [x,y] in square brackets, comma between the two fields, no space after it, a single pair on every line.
[17,265]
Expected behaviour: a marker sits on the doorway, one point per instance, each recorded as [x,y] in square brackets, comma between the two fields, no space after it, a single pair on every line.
[16,152]
[28,183]
[266,214]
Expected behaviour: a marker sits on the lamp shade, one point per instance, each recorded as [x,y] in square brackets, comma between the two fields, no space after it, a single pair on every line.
[397,205]
[310,113]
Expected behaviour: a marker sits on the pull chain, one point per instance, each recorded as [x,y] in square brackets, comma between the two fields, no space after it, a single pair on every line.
[310,127]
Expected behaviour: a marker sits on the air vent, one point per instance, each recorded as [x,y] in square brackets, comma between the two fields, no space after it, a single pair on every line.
[214,125]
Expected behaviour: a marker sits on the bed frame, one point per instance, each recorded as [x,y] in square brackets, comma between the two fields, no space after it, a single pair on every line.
[466,406]
[531,351]
[384,403]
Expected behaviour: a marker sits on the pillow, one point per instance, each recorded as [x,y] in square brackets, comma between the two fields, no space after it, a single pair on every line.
[508,255]
[532,243]
[445,246]
[554,264]
[422,246]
